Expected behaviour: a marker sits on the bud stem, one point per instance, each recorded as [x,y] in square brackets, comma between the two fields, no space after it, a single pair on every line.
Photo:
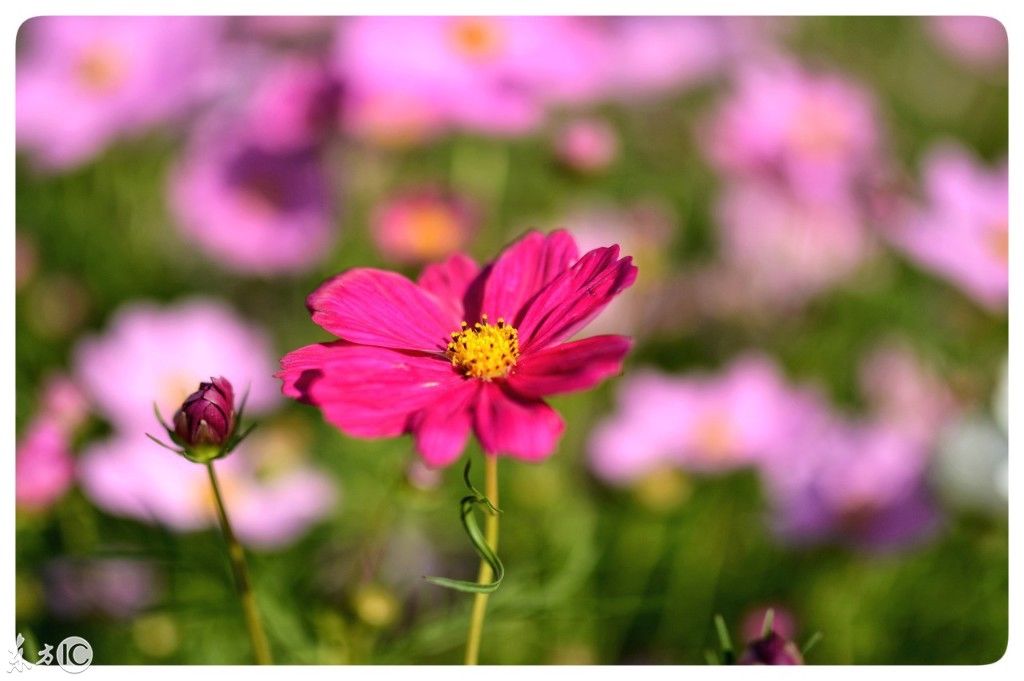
[240,569]
[476,624]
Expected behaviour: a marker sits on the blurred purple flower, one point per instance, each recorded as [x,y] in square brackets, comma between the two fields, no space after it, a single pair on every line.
[114,587]
[975,41]
[159,354]
[294,106]
[252,210]
[83,81]
[784,250]
[772,649]
[423,225]
[816,133]
[962,231]
[490,74]
[705,423]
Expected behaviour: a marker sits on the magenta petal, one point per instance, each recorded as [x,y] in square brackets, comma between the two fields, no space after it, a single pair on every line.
[441,429]
[575,297]
[523,269]
[508,424]
[300,368]
[570,366]
[449,281]
[374,307]
[373,392]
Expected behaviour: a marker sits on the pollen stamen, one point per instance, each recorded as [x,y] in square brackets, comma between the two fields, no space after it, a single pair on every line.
[484,350]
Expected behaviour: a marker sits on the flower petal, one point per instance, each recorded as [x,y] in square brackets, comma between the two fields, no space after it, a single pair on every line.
[299,368]
[372,392]
[449,281]
[570,366]
[374,307]
[441,428]
[523,269]
[575,297]
[508,424]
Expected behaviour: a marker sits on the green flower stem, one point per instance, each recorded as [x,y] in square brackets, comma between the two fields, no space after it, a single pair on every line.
[476,623]
[240,569]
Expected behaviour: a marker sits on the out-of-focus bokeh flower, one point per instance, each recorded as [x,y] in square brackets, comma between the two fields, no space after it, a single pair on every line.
[704,423]
[962,230]
[857,482]
[26,259]
[782,250]
[783,622]
[157,355]
[271,505]
[118,588]
[771,649]
[816,133]
[293,107]
[43,467]
[457,351]
[586,145]
[423,225]
[84,81]
[976,41]
[254,211]
[489,74]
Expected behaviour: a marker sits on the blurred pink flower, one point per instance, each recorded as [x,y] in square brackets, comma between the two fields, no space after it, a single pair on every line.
[82,81]
[817,133]
[405,364]
[113,587]
[785,250]
[490,74]
[705,423]
[159,354]
[253,210]
[974,40]
[270,505]
[294,106]
[64,402]
[857,482]
[422,225]
[586,145]
[962,231]
[43,467]
[904,393]
[650,55]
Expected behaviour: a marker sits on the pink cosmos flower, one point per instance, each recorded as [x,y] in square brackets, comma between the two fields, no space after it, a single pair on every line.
[703,423]
[464,348]
[785,250]
[152,354]
[82,81]
[255,211]
[491,74]
[271,505]
[962,231]
[586,145]
[43,467]
[423,225]
[818,133]
[976,41]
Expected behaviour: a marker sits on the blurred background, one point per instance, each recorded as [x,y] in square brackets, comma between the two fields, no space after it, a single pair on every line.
[813,418]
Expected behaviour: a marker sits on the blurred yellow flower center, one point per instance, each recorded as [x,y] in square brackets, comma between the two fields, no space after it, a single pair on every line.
[433,232]
[484,350]
[999,242]
[477,38]
[714,437]
[102,68]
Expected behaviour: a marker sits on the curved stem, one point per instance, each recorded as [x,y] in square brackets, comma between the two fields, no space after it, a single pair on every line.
[240,569]
[476,622]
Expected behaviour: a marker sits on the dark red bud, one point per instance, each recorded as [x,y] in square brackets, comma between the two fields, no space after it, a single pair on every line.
[207,418]
[771,650]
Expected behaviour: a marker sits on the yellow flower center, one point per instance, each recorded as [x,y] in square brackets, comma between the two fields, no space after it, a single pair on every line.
[484,350]
[478,38]
[433,232]
[102,68]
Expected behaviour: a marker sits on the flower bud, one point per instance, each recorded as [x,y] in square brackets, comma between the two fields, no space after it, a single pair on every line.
[207,418]
[771,649]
